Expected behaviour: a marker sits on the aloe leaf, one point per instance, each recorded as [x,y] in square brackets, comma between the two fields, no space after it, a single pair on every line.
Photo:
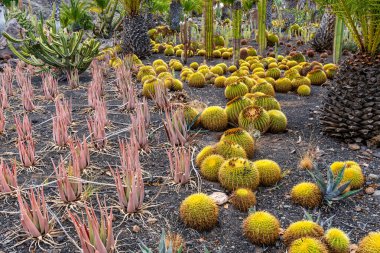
[339,178]
[348,194]
[330,180]
[161,246]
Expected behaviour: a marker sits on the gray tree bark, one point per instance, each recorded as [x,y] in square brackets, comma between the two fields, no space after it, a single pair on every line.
[324,38]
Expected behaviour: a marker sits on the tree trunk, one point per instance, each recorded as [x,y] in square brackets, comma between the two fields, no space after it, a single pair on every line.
[175,15]
[324,38]
[288,15]
[268,21]
[135,38]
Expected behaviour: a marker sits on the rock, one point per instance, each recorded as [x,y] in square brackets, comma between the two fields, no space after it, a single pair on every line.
[219,197]
[373,177]
[152,220]
[376,195]
[369,190]
[41,6]
[136,229]
[353,248]
[5,55]
[61,239]
[13,28]
[353,146]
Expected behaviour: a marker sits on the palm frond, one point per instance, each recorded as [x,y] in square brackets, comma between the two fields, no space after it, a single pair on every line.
[362,19]
[192,5]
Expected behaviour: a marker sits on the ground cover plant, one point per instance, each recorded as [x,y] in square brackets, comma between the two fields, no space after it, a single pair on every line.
[190,126]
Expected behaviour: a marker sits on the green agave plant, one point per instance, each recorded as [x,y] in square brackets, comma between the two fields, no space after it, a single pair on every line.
[162,248]
[75,15]
[333,189]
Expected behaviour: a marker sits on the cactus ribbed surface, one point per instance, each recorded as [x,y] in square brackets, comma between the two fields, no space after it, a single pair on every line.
[236,30]
[262,5]
[208,27]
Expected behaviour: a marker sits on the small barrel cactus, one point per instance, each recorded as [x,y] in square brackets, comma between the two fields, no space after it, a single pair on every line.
[261,228]
[238,172]
[199,212]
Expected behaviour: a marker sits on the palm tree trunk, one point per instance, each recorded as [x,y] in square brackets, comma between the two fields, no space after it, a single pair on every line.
[268,21]
[288,15]
[135,37]
[175,15]
[324,37]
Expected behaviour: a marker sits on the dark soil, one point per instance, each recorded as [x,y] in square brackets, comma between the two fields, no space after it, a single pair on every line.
[356,216]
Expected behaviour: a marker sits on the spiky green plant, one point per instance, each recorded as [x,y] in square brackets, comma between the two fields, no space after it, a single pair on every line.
[61,49]
[75,15]
[208,27]
[109,17]
[333,189]
[162,247]
[236,30]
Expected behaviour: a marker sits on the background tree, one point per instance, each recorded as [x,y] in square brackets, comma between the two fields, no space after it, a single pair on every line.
[268,21]
[324,37]
[175,15]
[289,17]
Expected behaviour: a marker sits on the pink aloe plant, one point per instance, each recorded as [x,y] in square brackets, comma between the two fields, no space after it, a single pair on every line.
[160,96]
[176,127]
[95,88]
[95,237]
[60,131]
[69,189]
[142,110]
[8,177]
[97,78]
[126,87]
[96,125]
[180,164]
[73,78]
[6,79]
[49,86]
[138,131]
[2,120]
[3,98]
[129,183]
[80,153]
[34,218]
[25,142]
[24,128]
[63,110]
[25,82]
[27,150]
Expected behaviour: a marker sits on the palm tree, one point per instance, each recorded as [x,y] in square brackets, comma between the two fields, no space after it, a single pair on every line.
[175,14]
[191,6]
[135,38]
[268,21]
[351,110]
[288,15]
